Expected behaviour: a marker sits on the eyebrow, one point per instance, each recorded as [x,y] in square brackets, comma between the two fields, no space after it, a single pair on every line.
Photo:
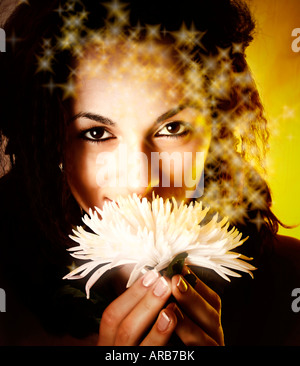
[106,121]
[172,112]
[93,117]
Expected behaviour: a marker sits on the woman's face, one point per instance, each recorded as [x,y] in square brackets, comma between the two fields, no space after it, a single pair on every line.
[133,128]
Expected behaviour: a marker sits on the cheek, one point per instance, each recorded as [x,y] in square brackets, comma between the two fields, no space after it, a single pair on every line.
[81,170]
[187,169]
[172,168]
[193,168]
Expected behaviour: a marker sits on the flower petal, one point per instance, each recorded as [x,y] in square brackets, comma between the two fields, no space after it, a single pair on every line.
[150,234]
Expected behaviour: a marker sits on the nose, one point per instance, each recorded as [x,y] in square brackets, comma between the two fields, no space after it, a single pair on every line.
[134,168]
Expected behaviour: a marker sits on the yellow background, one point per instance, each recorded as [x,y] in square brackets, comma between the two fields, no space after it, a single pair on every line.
[276,69]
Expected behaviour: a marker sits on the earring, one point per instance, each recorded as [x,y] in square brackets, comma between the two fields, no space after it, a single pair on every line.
[61,167]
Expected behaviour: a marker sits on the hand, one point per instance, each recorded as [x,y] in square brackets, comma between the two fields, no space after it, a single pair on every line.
[198,311]
[127,320]
[195,318]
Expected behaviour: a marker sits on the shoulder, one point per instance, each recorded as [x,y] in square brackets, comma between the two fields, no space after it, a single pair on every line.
[288,248]
[288,242]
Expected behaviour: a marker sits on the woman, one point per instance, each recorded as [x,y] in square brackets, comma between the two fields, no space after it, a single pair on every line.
[88,81]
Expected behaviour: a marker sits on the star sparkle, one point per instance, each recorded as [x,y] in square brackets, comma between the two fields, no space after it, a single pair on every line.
[115,8]
[13,40]
[258,221]
[50,85]
[205,79]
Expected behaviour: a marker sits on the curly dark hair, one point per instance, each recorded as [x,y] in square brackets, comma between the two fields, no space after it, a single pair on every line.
[34,117]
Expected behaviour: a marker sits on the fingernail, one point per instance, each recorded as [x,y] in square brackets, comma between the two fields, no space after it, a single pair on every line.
[149,278]
[161,287]
[181,285]
[163,322]
[191,278]
[176,310]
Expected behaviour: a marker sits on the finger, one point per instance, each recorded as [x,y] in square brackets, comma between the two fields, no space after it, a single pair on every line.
[143,315]
[189,332]
[196,307]
[206,292]
[121,307]
[162,330]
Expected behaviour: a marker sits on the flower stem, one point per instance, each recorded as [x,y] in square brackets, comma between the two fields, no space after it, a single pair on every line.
[175,267]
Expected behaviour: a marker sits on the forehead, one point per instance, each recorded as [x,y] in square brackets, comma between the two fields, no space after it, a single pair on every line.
[116,57]
[144,73]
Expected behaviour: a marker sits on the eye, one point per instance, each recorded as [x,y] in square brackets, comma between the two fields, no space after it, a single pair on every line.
[96,134]
[173,129]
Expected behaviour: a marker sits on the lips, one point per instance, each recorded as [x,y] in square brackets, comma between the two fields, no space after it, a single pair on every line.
[106,199]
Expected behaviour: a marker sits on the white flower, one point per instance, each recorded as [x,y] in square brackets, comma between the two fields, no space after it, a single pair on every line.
[151,235]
